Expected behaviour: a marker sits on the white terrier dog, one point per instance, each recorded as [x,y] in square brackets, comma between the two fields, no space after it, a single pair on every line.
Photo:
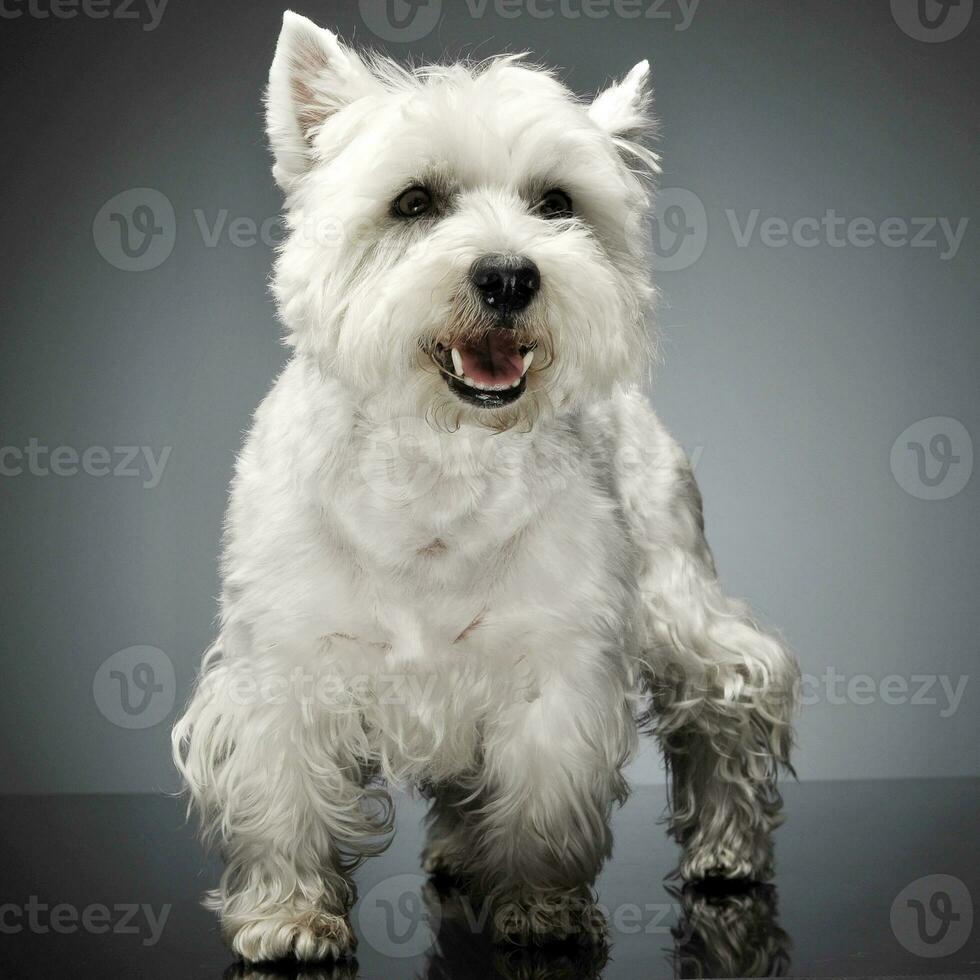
[460,547]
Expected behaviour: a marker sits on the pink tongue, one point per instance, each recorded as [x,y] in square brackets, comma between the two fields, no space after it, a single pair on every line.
[495,361]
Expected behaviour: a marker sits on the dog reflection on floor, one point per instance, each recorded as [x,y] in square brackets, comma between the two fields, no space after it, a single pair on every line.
[724,929]
[729,929]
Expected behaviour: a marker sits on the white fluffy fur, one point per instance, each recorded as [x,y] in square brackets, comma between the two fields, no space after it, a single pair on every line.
[467,600]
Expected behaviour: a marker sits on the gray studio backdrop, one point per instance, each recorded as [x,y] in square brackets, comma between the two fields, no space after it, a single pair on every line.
[817,252]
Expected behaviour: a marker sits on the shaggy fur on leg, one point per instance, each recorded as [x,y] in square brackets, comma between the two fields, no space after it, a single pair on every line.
[459,542]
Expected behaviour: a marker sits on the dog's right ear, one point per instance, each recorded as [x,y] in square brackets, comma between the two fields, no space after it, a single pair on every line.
[623,109]
[312,76]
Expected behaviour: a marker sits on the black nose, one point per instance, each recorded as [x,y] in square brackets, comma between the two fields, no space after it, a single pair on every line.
[506,283]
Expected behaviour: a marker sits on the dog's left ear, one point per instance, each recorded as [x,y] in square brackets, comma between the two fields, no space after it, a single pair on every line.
[313,76]
[623,109]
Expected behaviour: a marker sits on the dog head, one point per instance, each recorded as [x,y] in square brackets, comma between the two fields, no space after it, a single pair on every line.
[465,242]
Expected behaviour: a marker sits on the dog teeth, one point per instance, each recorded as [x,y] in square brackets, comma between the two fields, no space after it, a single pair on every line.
[528,357]
[458,363]
[480,386]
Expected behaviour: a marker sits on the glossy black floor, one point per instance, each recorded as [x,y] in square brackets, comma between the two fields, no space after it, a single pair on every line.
[108,886]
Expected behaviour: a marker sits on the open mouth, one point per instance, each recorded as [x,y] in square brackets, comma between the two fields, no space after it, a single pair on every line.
[489,372]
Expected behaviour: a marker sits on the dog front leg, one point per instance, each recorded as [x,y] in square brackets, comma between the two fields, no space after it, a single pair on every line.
[723,689]
[552,770]
[266,773]
[723,696]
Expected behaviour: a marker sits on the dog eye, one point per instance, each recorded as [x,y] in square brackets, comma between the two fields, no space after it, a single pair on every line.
[413,202]
[555,204]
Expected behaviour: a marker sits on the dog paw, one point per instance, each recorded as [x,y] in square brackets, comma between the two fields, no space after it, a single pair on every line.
[751,860]
[543,918]
[309,936]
